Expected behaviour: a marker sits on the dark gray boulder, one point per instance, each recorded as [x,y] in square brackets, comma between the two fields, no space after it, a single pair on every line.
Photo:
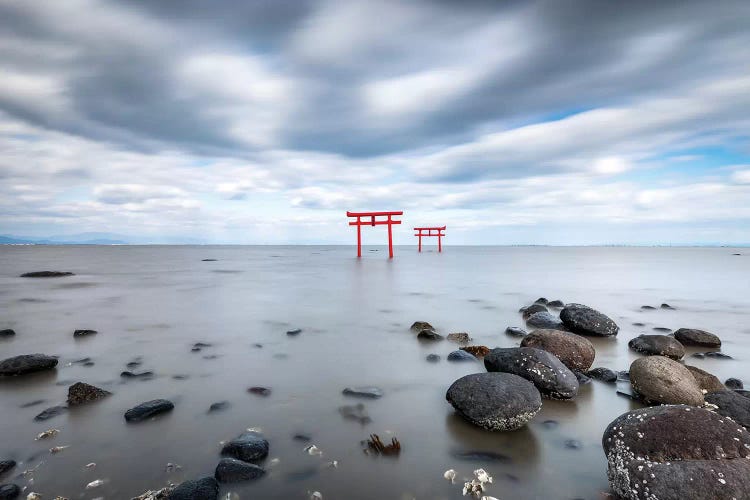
[691,336]
[576,352]
[660,380]
[550,376]
[369,392]
[8,332]
[514,331]
[46,274]
[80,393]
[603,374]
[148,409]
[6,465]
[50,413]
[429,335]
[196,489]
[706,381]
[26,363]
[231,470]
[495,401]
[528,311]
[732,405]
[584,320]
[541,300]
[9,491]
[248,447]
[657,345]
[219,406]
[582,378]
[545,320]
[734,384]
[460,355]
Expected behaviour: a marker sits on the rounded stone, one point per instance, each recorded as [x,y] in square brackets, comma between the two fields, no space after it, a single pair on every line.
[459,355]
[657,345]
[603,374]
[231,470]
[27,363]
[148,409]
[732,405]
[658,379]
[550,376]
[248,447]
[706,381]
[197,489]
[576,352]
[584,320]
[545,319]
[9,491]
[692,336]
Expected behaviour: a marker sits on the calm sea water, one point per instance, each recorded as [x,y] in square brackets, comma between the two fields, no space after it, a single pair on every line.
[155,302]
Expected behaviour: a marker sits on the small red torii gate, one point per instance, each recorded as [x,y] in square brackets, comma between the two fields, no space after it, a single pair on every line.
[373,222]
[438,232]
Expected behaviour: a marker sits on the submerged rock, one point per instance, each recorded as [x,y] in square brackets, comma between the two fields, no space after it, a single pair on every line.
[495,401]
[550,376]
[458,356]
[432,358]
[603,374]
[657,345]
[294,332]
[576,352]
[460,338]
[51,413]
[429,335]
[148,409]
[479,351]
[369,392]
[541,300]
[248,447]
[84,333]
[582,378]
[198,489]
[9,492]
[712,354]
[47,274]
[8,332]
[732,405]
[584,320]
[80,393]
[514,331]
[481,456]
[661,329]
[27,363]
[706,381]
[666,306]
[734,383]
[658,379]
[528,311]
[129,374]
[692,336]
[260,391]
[6,465]
[231,470]
[545,320]
[219,406]
[418,326]
[355,412]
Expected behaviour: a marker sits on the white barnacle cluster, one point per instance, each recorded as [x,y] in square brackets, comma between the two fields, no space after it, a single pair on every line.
[476,486]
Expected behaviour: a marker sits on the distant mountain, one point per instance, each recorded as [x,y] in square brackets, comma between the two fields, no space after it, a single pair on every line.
[75,239]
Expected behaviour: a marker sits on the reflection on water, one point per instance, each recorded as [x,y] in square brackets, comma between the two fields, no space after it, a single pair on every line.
[155,303]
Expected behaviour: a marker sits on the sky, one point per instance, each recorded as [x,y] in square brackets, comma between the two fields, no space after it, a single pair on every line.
[263,122]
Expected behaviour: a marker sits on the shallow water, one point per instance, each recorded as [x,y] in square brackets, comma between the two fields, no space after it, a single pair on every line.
[155,302]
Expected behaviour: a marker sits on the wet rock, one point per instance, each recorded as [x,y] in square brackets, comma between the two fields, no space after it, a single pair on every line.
[458,356]
[429,335]
[573,444]
[26,363]
[481,456]
[603,374]
[47,274]
[556,303]
[418,326]
[219,406]
[80,393]
[623,375]
[541,300]
[743,392]
[133,364]
[657,345]
[355,412]
[199,346]
[8,332]
[648,308]
[231,470]
[260,391]
[528,311]
[514,331]
[576,352]
[551,424]
[661,329]
[129,374]
[302,437]
[295,332]
[732,405]
[706,381]
[248,447]
[479,351]
[666,306]
[712,354]
[495,401]
[198,489]
[677,452]
[702,338]
[734,384]
[369,392]
[658,379]
[582,378]
[550,376]
[35,402]
[84,333]
[639,324]
[460,338]
[148,409]
[208,260]
[545,320]
[9,491]
[6,465]
[51,413]
[584,320]
[432,358]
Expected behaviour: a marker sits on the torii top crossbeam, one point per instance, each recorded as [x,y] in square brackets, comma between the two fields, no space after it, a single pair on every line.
[438,231]
[373,221]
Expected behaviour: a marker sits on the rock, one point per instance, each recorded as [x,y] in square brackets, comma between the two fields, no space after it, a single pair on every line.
[460,338]
[9,491]
[550,376]
[220,406]
[732,405]
[657,345]
[7,333]
[460,355]
[369,392]
[129,374]
[495,401]
[576,352]
[514,331]
[208,260]
[260,391]
[661,329]
[50,413]
[743,393]
[639,324]
[603,375]
[429,335]
[573,444]
[302,437]
[46,274]
[623,375]
[691,336]
[541,300]
[198,489]
[666,306]
[294,332]
[582,378]
[418,326]
[648,308]
[677,452]
[148,409]
[231,470]
[84,333]
[481,456]
[432,358]
[355,412]
[248,447]
[584,320]
[479,351]
[27,363]
[80,393]
[712,354]
[556,303]
[658,379]
[545,320]
[6,465]
[706,381]
[527,311]
[734,383]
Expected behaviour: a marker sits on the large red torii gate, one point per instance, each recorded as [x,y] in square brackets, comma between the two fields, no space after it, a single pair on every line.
[438,232]
[373,222]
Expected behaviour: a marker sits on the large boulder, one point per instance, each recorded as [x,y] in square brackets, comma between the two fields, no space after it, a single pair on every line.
[6,465]
[545,319]
[584,320]
[550,376]
[495,401]
[527,311]
[197,489]
[27,363]
[660,380]
[576,352]
[9,491]
[148,409]
[732,405]
[248,447]
[231,470]
[80,393]
[677,452]
[657,345]
[706,381]
[691,336]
